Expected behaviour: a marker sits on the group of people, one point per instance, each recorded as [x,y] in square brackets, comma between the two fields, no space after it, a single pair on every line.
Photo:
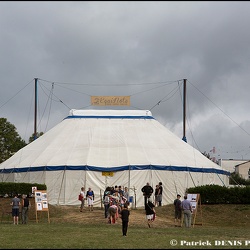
[114,198]
[25,205]
[90,196]
[185,207]
[116,204]
[147,191]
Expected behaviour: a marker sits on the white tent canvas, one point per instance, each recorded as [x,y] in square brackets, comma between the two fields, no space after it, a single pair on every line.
[100,148]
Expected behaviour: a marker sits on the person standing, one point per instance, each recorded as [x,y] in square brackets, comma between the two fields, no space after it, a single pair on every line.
[120,191]
[147,191]
[125,219]
[15,208]
[106,201]
[126,193]
[83,198]
[25,208]
[177,211]
[187,211]
[160,194]
[90,196]
[156,195]
[150,212]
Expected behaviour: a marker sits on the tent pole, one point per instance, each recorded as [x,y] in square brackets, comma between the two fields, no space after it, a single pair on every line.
[35,115]
[174,183]
[61,188]
[106,181]
[128,180]
[85,178]
[184,110]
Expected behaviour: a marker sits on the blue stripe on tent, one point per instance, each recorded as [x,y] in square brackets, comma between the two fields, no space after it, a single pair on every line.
[116,169]
[109,117]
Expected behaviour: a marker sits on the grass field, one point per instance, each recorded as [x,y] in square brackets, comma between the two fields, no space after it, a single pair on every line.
[217,227]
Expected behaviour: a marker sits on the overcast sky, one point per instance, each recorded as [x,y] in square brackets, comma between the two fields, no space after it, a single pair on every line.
[140,49]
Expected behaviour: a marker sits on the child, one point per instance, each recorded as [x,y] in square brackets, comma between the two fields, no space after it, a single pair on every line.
[125,219]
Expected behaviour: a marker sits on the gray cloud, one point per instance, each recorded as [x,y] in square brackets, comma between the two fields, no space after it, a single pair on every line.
[117,48]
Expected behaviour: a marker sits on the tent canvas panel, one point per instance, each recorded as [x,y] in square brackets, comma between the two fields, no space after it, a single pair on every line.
[64,186]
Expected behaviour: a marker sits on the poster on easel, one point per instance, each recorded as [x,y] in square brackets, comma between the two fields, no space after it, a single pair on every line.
[33,190]
[196,206]
[41,202]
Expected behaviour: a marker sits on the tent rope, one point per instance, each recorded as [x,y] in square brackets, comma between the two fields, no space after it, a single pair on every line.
[191,178]
[221,180]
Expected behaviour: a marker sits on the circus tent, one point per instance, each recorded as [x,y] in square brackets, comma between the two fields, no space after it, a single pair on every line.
[100,148]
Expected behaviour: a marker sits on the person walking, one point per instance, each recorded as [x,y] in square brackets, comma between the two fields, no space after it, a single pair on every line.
[25,208]
[187,211]
[147,191]
[150,212]
[83,198]
[177,211]
[125,219]
[90,196]
[15,203]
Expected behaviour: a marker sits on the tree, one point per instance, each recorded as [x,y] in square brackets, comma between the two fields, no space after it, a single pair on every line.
[10,141]
[236,179]
[207,155]
[31,139]
[210,158]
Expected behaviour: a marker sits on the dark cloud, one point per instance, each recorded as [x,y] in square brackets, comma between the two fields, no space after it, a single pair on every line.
[118,48]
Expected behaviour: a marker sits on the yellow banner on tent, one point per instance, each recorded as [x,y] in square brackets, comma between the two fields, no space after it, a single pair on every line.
[108,174]
[110,100]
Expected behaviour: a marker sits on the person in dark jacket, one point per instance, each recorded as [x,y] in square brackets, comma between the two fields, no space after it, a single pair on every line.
[150,212]
[25,208]
[177,211]
[125,219]
[147,191]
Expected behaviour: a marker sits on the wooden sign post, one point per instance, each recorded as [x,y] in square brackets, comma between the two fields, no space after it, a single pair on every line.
[41,202]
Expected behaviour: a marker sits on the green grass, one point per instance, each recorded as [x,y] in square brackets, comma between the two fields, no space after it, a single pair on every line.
[225,224]
[77,236]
